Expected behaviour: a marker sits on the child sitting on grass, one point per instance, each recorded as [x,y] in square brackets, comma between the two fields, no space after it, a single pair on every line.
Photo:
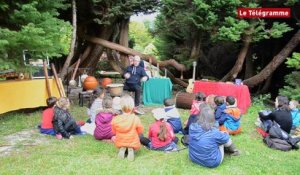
[207,143]
[193,118]
[293,104]
[89,126]
[47,117]
[230,121]
[161,135]
[64,124]
[127,127]
[199,99]
[210,99]
[103,129]
[220,107]
[172,115]
[98,95]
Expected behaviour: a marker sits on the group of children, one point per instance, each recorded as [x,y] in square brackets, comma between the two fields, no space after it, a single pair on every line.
[56,119]
[113,120]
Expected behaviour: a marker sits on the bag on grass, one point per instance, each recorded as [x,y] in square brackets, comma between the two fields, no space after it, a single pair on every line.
[185,140]
[278,144]
[276,132]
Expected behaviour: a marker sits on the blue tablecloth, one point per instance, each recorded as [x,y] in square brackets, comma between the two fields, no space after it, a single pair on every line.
[155,90]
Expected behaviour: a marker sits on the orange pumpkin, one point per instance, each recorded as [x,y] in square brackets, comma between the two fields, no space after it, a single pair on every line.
[90,83]
[106,81]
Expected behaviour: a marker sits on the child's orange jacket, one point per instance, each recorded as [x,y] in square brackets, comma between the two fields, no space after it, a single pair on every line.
[127,129]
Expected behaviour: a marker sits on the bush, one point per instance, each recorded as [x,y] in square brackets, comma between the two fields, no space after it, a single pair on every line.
[292,89]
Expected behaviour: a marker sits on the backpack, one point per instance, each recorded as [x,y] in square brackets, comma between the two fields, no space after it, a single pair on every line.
[279,139]
[185,140]
[278,144]
[276,132]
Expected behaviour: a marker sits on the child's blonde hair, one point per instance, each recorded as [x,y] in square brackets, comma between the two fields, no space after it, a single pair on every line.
[127,103]
[63,103]
[295,103]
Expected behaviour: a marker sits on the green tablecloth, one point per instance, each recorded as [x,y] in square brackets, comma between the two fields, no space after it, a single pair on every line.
[155,90]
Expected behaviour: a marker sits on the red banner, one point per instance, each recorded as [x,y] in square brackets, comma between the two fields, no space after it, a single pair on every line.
[264,12]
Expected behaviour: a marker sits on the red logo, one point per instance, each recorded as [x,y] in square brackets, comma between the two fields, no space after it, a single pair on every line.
[264,12]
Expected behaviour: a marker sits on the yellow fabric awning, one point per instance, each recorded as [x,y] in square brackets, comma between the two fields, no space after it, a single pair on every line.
[20,94]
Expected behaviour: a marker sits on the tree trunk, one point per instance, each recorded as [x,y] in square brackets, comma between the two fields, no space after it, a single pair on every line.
[276,61]
[232,74]
[176,80]
[97,50]
[196,49]
[129,51]
[84,56]
[64,70]
[124,32]
[112,57]
[267,85]
[249,67]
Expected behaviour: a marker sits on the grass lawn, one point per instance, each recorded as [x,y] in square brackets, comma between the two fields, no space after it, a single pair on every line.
[85,155]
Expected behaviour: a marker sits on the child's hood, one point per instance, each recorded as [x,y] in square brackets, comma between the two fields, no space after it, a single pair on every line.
[105,116]
[125,123]
[196,131]
[172,112]
[234,112]
[221,107]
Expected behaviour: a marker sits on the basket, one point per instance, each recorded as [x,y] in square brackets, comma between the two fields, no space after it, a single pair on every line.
[115,89]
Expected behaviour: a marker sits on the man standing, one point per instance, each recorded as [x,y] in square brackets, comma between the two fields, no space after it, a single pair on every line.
[134,74]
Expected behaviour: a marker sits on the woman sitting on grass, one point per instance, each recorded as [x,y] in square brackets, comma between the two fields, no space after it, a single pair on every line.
[64,124]
[127,127]
[281,115]
[161,134]
[206,142]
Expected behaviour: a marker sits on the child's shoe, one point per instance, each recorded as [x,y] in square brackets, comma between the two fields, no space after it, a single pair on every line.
[121,154]
[59,136]
[130,154]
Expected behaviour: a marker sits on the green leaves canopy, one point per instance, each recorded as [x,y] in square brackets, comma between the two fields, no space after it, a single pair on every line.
[32,26]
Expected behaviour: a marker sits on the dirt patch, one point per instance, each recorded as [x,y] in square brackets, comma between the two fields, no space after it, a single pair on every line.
[20,140]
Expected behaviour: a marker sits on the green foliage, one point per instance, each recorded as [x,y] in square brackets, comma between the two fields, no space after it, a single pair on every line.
[113,9]
[260,99]
[291,2]
[292,89]
[33,26]
[234,29]
[139,33]
[294,62]
[181,23]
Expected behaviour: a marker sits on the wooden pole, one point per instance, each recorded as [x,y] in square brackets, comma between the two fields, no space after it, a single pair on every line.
[57,81]
[47,78]
[157,65]
[75,70]
[150,64]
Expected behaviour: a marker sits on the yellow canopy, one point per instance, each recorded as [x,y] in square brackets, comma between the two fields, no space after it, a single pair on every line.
[20,94]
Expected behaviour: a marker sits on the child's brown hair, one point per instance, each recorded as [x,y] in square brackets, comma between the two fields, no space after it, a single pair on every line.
[51,101]
[230,100]
[169,102]
[163,131]
[200,96]
[219,100]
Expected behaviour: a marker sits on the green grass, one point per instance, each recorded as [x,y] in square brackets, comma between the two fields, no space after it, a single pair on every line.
[84,155]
